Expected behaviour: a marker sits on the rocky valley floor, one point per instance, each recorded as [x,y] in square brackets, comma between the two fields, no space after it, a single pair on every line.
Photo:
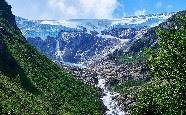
[108,73]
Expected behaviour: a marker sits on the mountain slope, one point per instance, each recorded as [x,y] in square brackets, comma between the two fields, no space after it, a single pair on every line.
[31,83]
[165,94]
[149,39]
[83,40]
[132,91]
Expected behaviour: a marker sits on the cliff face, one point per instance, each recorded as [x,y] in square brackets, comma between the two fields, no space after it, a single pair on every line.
[6,13]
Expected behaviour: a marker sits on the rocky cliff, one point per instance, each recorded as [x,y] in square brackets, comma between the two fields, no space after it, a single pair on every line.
[82,40]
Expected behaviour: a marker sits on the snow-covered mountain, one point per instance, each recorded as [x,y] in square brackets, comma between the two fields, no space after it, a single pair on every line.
[79,41]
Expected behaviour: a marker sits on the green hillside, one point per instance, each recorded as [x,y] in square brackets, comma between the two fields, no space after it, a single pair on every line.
[32,84]
[166,93]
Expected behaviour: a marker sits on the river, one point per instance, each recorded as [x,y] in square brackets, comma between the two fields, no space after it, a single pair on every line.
[111,104]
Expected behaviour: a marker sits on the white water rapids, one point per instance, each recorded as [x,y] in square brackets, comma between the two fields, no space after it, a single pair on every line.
[111,104]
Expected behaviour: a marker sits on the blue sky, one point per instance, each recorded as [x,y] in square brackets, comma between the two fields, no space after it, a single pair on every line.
[91,9]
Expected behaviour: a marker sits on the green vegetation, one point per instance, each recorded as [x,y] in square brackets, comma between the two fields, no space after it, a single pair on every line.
[127,86]
[132,58]
[32,84]
[140,44]
[166,94]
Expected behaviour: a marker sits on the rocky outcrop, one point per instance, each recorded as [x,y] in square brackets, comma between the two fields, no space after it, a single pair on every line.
[6,13]
[47,47]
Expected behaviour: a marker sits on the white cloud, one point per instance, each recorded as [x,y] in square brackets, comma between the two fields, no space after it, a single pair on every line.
[65,9]
[140,12]
[159,4]
[71,9]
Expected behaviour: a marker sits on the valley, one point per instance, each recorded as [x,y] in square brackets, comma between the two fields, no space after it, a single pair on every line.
[134,65]
[89,50]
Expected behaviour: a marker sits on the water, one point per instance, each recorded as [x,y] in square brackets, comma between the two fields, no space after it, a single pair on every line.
[58,52]
[111,104]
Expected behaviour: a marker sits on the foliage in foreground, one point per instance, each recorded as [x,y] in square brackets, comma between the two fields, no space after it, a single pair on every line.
[32,84]
[166,94]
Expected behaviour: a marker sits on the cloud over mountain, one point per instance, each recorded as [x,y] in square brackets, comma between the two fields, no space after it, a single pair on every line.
[65,9]
[91,9]
[83,8]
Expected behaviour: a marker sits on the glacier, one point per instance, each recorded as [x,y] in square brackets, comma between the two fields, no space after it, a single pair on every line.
[80,41]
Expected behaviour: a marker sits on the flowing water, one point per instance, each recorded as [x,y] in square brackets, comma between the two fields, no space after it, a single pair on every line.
[111,104]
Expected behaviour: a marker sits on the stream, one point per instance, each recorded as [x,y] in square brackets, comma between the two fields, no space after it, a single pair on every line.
[111,104]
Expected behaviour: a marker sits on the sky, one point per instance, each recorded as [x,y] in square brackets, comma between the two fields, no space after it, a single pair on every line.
[92,9]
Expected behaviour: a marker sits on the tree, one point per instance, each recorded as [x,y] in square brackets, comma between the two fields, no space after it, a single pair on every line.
[166,94]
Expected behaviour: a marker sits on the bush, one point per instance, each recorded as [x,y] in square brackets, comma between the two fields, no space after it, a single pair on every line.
[166,95]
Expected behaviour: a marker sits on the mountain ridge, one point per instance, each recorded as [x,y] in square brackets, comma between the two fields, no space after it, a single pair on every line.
[30,83]
[105,36]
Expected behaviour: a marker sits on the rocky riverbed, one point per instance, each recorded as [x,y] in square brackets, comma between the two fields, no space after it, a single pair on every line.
[107,72]
[110,70]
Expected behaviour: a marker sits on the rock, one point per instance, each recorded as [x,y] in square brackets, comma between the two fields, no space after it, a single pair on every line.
[109,69]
